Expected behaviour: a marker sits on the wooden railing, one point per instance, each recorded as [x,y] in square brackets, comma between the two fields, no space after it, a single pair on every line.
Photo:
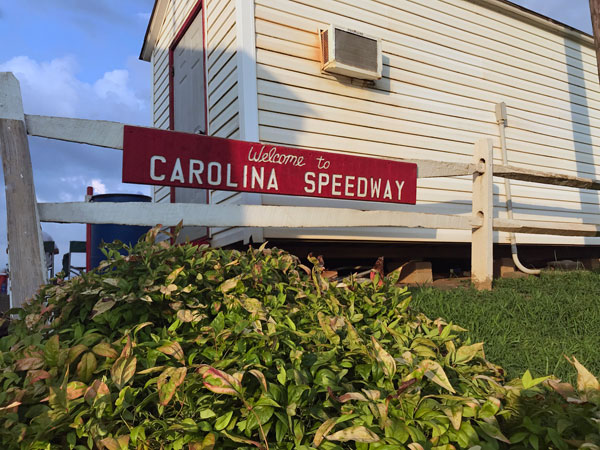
[25,214]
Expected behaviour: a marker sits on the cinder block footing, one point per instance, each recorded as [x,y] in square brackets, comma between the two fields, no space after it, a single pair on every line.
[416,272]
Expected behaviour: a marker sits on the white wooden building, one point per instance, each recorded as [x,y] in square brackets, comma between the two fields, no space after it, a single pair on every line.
[251,70]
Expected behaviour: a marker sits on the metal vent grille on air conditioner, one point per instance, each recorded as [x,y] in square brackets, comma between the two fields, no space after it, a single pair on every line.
[357,51]
[324,46]
[350,53]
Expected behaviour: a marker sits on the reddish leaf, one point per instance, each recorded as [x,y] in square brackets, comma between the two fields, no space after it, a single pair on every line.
[168,382]
[13,406]
[220,382]
[260,377]
[123,370]
[127,349]
[98,389]
[29,363]
[105,349]
[74,352]
[387,361]
[352,396]
[101,306]
[564,389]
[86,367]
[75,389]
[38,375]
[120,443]
[173,349]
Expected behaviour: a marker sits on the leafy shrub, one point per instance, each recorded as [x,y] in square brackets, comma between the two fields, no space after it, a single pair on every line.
[189,347]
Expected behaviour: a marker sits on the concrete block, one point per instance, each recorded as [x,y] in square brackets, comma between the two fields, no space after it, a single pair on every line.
[4,302]
[416,272]
[513,275]
[565,264]
[503,267]
[591,263]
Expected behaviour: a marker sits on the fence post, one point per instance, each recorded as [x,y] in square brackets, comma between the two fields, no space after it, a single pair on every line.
[482,238]
[25,246]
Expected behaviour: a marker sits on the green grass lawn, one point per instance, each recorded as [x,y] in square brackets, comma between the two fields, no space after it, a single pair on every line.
[528,323]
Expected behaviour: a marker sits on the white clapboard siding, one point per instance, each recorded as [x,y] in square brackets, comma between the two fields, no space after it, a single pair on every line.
[457,62]
[223,96]
[446,64]
[221,70]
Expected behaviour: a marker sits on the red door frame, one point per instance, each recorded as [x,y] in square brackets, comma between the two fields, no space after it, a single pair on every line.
[197,9]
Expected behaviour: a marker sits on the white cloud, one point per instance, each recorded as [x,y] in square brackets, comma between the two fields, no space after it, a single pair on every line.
[99,187]
[47,87]
[53,88]
[115,86]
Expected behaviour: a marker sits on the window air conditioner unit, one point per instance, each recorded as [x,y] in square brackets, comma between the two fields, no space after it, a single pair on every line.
[348,52]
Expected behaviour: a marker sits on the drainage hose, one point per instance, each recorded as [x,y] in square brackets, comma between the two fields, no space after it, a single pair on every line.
[501,118]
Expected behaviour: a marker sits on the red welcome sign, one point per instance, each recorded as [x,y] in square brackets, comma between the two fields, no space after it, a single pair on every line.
[168,158]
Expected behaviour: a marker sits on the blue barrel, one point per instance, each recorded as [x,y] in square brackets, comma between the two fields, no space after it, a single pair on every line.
[128,234]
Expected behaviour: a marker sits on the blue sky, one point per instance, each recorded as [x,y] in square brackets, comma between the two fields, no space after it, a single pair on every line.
[79,58]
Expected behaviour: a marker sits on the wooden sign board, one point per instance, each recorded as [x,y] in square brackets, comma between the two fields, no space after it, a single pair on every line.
[168,158]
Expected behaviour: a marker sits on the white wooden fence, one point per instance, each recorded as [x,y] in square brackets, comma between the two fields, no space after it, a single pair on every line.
[24,214]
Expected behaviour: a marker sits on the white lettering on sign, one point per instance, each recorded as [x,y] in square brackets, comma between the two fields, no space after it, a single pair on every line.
[272,156]
[273,181]
[214,176]
[335,184]
[375,187]
[258,178]
[399,186]
[195,173]
[309,179]
[229,182]
[253,177]
[323,181]
[153,160]
[349,185]
[361,187]
[177,174]
[388,190]
[352,186]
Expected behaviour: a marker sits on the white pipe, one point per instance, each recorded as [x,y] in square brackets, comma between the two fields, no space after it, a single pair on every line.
[501,117]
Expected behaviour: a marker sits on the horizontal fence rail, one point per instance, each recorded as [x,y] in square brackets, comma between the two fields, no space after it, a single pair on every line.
[552,228]
[170,214]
